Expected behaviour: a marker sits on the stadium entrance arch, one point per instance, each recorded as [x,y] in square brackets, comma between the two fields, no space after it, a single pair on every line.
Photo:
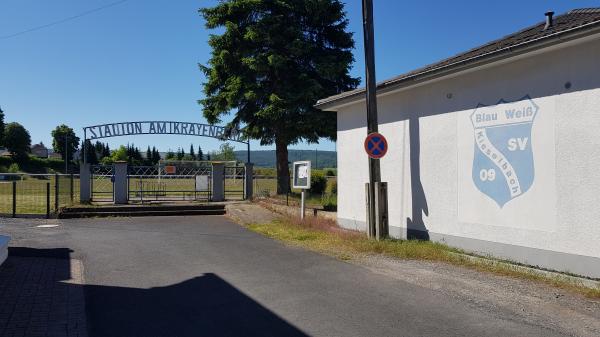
[209,181]
[162,128]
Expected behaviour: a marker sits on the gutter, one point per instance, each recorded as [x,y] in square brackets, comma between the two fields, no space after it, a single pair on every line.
[476,61]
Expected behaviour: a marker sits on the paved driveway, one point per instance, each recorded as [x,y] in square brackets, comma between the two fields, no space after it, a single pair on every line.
[206,276]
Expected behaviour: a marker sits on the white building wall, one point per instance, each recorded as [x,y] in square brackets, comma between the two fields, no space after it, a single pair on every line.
[554,223]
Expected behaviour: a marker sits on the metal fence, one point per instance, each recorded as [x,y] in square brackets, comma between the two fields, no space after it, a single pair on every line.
[235,182]
[158,183]
[266,185]
[23,194]
[102,183]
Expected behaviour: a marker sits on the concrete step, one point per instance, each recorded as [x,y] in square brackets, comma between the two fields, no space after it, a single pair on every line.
[146,207]
[141,210]
[139,213]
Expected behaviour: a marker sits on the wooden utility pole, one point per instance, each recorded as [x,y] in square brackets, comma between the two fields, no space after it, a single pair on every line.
[372,123]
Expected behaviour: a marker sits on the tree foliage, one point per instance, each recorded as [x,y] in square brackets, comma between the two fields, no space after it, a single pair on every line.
[192,153]
[17,141]
[180,154]
[170,155]
[62,135]
[273,61]
[200,155]
[226,153]
[120,154]
[91,152]
[155,156]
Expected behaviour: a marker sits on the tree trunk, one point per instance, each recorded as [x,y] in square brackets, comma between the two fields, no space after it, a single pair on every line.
[283,172]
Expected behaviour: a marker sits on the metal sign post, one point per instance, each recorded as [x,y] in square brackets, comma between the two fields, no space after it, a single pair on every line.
[301,180]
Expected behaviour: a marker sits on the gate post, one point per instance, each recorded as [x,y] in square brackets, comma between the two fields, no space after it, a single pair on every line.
[218,182]
[248,176]
[120,184]
[85,184]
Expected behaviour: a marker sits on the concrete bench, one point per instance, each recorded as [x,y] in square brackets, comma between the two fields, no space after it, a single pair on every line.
[3,248]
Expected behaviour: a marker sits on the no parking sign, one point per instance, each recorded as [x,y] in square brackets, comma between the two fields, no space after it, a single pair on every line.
[376,145]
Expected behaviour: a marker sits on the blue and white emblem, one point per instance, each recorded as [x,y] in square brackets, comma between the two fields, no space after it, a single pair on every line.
[503,163]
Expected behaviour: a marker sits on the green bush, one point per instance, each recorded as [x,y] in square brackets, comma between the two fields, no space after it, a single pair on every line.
[329,202]
[330,173]
[14,168]
[333,186]
[318,183]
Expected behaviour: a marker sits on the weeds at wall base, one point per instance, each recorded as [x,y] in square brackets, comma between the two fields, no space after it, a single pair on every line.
[324,236]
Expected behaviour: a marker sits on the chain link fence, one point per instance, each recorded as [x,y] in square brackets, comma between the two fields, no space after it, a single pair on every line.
[23,195]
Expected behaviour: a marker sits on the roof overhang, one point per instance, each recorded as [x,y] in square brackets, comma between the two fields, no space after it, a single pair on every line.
[333,103]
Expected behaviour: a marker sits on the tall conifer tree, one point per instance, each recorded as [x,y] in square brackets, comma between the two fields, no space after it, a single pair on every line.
[273,60]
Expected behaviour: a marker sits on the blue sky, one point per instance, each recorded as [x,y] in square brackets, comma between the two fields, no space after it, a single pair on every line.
[138,60]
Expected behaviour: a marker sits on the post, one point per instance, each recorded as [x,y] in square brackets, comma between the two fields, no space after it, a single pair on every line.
[248,184]
[47,200]
[85,184]
[248,159]
[218,182]
[14,199]
[56,190]
[141,189]
[72,189]
[381,210]
[371,231]
[84,146]
[302,204]
[66,155]
[372,123]
[120,189]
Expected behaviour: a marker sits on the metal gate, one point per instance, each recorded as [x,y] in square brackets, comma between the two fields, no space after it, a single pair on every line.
[102,183]
[169,182]
[235,182]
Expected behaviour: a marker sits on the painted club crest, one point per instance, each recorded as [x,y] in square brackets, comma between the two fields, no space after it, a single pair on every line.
[503,163]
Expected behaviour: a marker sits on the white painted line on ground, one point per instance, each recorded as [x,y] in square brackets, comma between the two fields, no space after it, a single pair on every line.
[46,226]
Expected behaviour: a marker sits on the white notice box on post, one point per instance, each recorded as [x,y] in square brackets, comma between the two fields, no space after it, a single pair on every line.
[301,180]
[301,172]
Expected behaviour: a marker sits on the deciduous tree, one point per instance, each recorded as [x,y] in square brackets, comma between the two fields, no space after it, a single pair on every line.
[62,135]
[17,141]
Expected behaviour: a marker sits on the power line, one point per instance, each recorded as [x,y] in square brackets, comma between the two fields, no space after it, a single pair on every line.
[97,9]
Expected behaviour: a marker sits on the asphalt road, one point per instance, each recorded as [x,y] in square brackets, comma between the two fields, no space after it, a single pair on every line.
[206,276]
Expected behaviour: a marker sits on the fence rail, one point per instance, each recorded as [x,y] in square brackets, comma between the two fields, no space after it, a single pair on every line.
[23,194]
[266,185]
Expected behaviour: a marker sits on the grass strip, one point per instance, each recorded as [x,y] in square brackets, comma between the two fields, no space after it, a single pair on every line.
[323,236]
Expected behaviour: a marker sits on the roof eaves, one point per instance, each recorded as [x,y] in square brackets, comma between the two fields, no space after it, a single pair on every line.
[444,70]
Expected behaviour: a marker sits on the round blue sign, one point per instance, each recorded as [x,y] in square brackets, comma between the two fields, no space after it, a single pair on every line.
[376,145]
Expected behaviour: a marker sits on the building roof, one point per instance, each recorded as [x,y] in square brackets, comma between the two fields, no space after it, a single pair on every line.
[571,25]
[39,146]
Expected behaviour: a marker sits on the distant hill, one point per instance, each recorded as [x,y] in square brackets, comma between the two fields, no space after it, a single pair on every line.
[319,159]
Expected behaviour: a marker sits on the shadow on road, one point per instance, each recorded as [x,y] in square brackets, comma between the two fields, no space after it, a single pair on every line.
[205,305]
